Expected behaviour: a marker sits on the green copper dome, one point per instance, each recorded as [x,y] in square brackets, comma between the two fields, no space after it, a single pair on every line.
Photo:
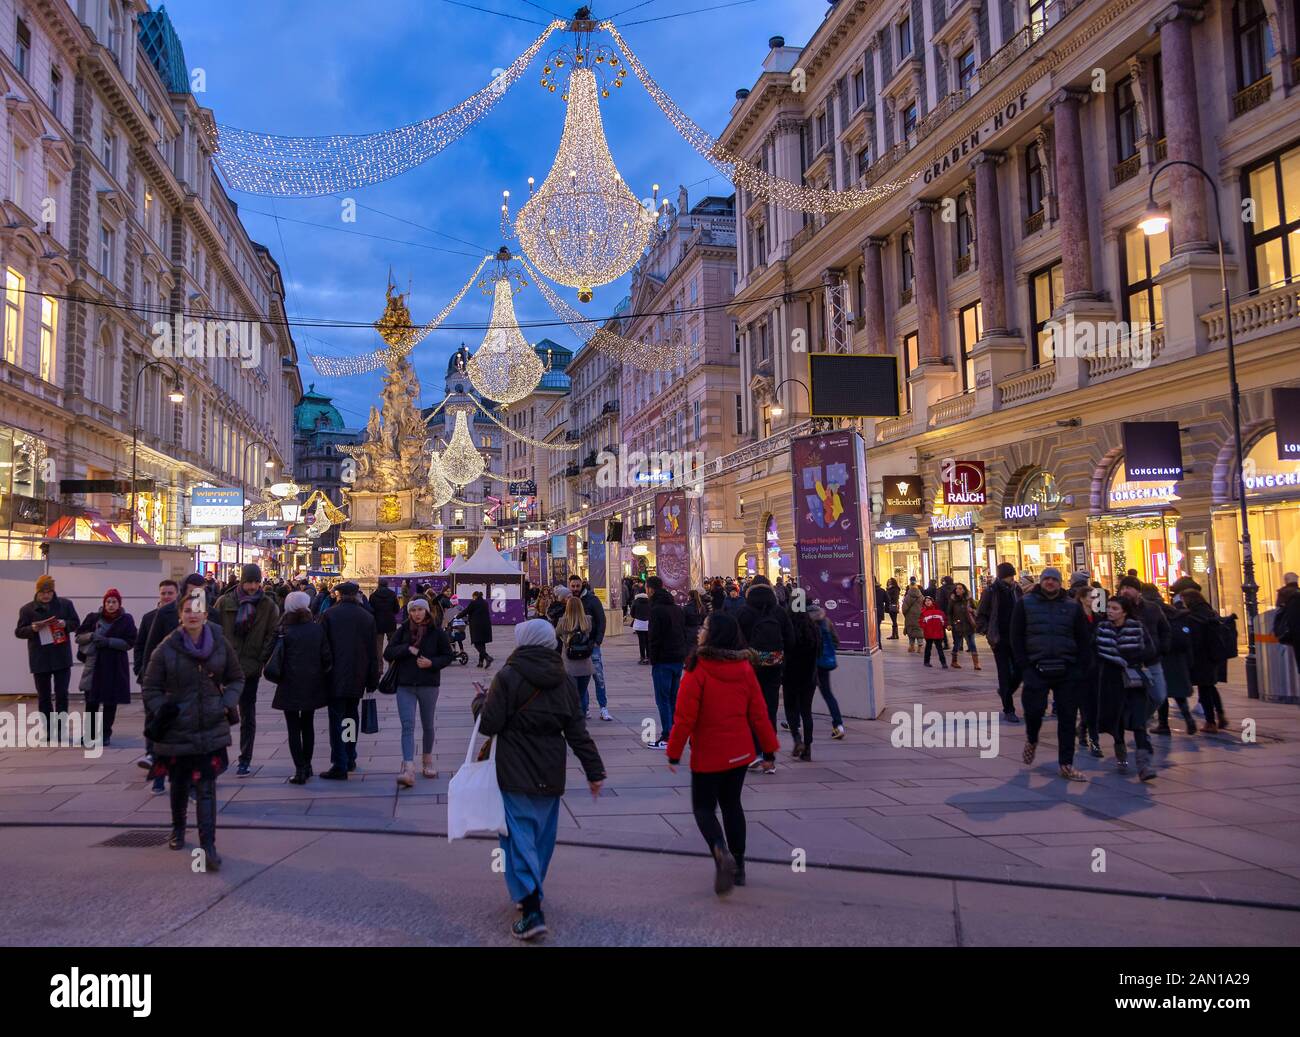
[316,411]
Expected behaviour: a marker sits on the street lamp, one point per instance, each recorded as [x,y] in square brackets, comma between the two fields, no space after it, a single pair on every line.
[1156,221]
[777,409]
[177,395]
[243,511]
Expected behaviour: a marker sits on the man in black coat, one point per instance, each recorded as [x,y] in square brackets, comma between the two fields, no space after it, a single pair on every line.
[166,619]
[167,592]
[48,623]
[596,613]
[993,620]
[383,603]
[478,621]
[350,630]
[667,643]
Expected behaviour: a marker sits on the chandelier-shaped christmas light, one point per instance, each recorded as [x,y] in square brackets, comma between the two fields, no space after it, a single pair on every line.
[461,463]
[505,368]
[583,227]
[441,490]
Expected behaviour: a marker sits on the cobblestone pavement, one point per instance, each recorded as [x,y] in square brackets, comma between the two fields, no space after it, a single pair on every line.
[1222,821]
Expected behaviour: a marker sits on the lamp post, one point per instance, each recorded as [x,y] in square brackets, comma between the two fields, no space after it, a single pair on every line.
[777,409]
[177,395]
[1156,221]
[243,510]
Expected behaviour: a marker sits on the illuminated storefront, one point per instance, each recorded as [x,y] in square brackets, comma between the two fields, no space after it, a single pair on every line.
[22,495]
[1138,532]
[1273,504]
[952,547]
[776,558]
[898,550]
[1032,533]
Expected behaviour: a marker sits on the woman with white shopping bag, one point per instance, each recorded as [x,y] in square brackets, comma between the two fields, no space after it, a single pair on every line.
[532,713]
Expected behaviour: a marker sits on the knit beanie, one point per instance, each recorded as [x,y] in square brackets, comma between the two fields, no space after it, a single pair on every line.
[297,601]
[112,592]
[250,573]
[1005,569]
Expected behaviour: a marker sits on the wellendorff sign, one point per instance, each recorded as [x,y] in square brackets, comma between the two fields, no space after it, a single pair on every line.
[1001,119]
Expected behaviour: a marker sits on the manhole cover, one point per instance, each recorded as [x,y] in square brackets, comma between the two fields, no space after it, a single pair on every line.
[137,840]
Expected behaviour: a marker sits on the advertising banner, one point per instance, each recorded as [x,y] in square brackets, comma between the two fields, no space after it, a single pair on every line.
[597,569]
[672,554]
[216,506]
[904,495]
[963,482]
[831,520]
[1153,451]
[1286,416]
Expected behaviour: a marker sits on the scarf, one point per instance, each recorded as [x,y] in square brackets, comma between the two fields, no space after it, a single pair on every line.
[203,649]
[247,610]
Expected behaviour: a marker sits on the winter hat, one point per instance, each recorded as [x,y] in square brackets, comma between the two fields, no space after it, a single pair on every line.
[112,592]
[1050,573]
[347,589]
[1079,580]
[1184,583]
[1005,569]
[297,601]
[419,603]
[250,573]
[1289,578]
[535,632]
[44,583]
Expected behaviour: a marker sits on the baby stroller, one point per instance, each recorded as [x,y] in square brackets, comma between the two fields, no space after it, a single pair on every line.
[458,641]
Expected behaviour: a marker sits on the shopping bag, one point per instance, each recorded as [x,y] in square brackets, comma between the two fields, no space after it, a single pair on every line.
[369,716]
[474,802]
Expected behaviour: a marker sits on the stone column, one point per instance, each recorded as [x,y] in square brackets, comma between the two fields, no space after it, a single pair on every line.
[1182,127]
[1072,193]
[926,283]
[988,243]
[873,276]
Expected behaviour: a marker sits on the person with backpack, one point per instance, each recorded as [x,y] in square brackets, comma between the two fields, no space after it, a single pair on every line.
[799,681]
[934,626]
[721,712]
[1210,650]
[768,632]
[827,661]
[993,620]
[961,620]
[913,603]
[573,632]
[666,635]
[1124,647]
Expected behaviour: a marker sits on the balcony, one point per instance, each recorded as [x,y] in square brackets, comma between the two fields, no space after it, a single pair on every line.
[1270,310]
[905,297]
[1127,169]
[961,265]
[1253,96]
[893,428]
[1102,367]
[1162,149]
[1027,385]
[1035,222]
[802,238]
[590,460]
[952,410]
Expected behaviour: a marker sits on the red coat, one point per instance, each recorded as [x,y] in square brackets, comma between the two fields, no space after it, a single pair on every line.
[933,623]
[720,708]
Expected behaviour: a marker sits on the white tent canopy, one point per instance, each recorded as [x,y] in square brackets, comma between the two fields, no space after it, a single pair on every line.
[487,561]
[456,562]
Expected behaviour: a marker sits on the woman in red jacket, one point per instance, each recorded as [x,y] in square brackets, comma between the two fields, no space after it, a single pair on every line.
[721,709]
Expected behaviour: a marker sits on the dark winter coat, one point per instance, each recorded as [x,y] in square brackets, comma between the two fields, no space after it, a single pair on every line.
[720,709]
[108,659]
[717,599]
[800,673]
[533,712]
[383,603]
[996,607]
[1204,622]
[760,603]
[1177,663]
[641,606]
[350,629]
[695,617]
[667,629]
[1152,616]
[1048,629]
[946,587]
[141,641]
[732,606]
[961,616]
[478,620]
[300,664]
[254,646]
[165,620]
[202,691]
[434,646]
[596,611]
[47,658]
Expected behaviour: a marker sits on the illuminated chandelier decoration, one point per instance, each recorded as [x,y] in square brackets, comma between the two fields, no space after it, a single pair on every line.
[304,167]
[403,338]
[505,368]
[539,443]
[272,501]
[583,227]
[461,463]
[440,489]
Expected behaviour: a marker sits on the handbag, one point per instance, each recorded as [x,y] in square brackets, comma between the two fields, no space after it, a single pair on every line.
[474,800]
[369,715]
[388,682]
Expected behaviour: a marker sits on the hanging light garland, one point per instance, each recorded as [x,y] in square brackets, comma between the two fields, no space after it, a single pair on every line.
[539,443]
[758,183]
[505,368]
[302,167]
[583,227]
[332,367]
[461,463]
[641,355]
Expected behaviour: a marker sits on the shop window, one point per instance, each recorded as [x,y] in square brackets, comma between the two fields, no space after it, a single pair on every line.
[910,360]
[1273,246]
[1046,293]
[14,287]
[970,324]
[1254,41]
[1141,259]
[1126,119]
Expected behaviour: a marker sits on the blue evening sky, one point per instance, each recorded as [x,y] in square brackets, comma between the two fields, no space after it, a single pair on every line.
[319,67]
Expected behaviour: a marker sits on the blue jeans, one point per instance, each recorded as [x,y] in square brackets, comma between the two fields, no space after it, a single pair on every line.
[824,683]
[963,642]
[599,663]
[666,677]
[582,682]
[531,823]
[409,698]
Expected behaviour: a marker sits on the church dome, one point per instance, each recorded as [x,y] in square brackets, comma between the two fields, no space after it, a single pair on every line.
[316,411]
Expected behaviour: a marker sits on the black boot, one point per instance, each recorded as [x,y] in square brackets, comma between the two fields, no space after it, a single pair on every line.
[206,811]
[739,878]
[180,799]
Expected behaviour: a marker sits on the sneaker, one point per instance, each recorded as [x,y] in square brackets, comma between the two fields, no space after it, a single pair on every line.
[773,770]
[145,762]
[159,786]
[1094,749]
[837,732]
[604,714]
[529,927]
[758,762]
[586,714]
[661,744]
[241,771]
[785,726]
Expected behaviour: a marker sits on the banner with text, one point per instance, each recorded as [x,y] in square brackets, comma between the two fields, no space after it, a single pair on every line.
[672,553]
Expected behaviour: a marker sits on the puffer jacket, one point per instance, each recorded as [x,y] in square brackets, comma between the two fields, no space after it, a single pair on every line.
[435,646]
[1048,629]
[961,616]
[913,600]
[720,709]
[254,647]
[300,665]
[533,712]
[202,691]
[641,606]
